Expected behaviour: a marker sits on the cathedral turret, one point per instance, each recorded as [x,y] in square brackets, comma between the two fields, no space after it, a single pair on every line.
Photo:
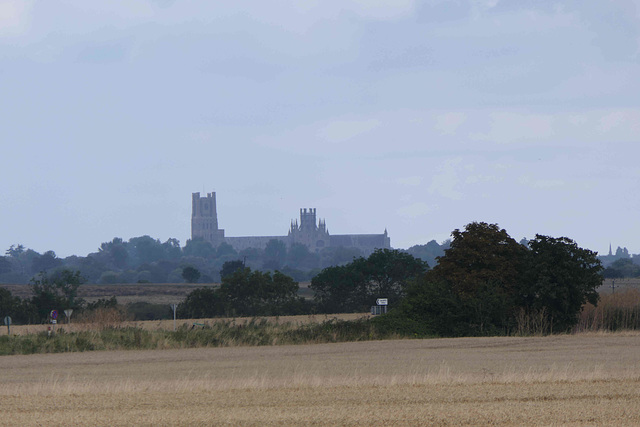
[204,219]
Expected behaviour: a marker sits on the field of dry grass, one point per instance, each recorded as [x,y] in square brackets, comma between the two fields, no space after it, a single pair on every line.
[167,325]
[584,379]
[125,293]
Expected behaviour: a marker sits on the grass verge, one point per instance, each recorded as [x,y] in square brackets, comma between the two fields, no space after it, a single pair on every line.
[256,332]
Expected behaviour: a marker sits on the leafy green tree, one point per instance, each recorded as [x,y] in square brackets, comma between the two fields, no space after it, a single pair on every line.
[481,254]
[473,288]
[388,272]
[561,278]
[299,257]
[198,247]
[18,309]
[429,252]
[340,289]
[201,303]
[275,254]
[254,293]
[225,249]
[116,252]
[146,249]
[172,249]
[5,265]
[191,274]
[8,303]
[340,255]
[15,251]
[356,286]
[45,262]
[58,291]
[623,267]
[230,267]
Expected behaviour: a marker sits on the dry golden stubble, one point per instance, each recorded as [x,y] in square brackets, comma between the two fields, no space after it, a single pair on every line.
[570,380]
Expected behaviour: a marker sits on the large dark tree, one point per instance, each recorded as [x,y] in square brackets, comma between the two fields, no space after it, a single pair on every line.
[486,281]
[246,293]
[482,253]
[254,293]
[57,291]
[561,278]
[275,255]
[230,267]
[190,274]
[357,285]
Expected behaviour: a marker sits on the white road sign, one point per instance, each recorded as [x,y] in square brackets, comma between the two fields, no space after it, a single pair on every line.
[382,301]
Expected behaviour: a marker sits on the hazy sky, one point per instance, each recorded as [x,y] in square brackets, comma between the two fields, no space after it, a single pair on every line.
[415,116]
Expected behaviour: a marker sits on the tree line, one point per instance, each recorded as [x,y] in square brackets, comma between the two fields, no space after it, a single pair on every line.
[147,260]
[485,283]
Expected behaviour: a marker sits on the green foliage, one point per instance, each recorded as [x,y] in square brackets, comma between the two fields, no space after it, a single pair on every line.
[230,267]
[201,303]
[486,281]
[45,262]
[275,255]
[429,252]
[148,311]
[561,278]
[14,307]
[355,287]
[216,334]
[623,267]
[198,247]
[191,274]
[102,303]
[55,292]
[246,293]
[482,253]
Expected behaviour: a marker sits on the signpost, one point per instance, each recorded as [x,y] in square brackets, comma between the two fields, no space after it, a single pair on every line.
[68,312]
[380,307]
[7,321]
[54,319]
[174,307]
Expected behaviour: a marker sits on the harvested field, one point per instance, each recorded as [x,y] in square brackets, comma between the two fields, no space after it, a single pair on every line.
[154,293]
[585,379]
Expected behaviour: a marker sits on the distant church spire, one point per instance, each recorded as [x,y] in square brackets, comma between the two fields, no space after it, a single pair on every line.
[610,253]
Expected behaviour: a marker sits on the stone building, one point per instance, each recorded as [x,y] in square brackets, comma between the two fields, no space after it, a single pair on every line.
[310,231]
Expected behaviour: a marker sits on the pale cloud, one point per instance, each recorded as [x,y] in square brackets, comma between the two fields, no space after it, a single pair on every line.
[15,16]
[509,127]
[625,123]
[379,9]
[344,130]
[446,181]
[449,123]
[411,181]
[541,184]
[483,179]
[414,210]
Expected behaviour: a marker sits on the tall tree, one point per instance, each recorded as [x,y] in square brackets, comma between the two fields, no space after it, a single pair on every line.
[57,291]
[356,286]
[275,254]
[191,274]
[561,278]
[482,253]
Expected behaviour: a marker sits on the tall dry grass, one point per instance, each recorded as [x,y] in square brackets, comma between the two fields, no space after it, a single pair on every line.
[614,312]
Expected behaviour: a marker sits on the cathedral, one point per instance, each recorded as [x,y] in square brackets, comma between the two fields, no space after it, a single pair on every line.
[309,231]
